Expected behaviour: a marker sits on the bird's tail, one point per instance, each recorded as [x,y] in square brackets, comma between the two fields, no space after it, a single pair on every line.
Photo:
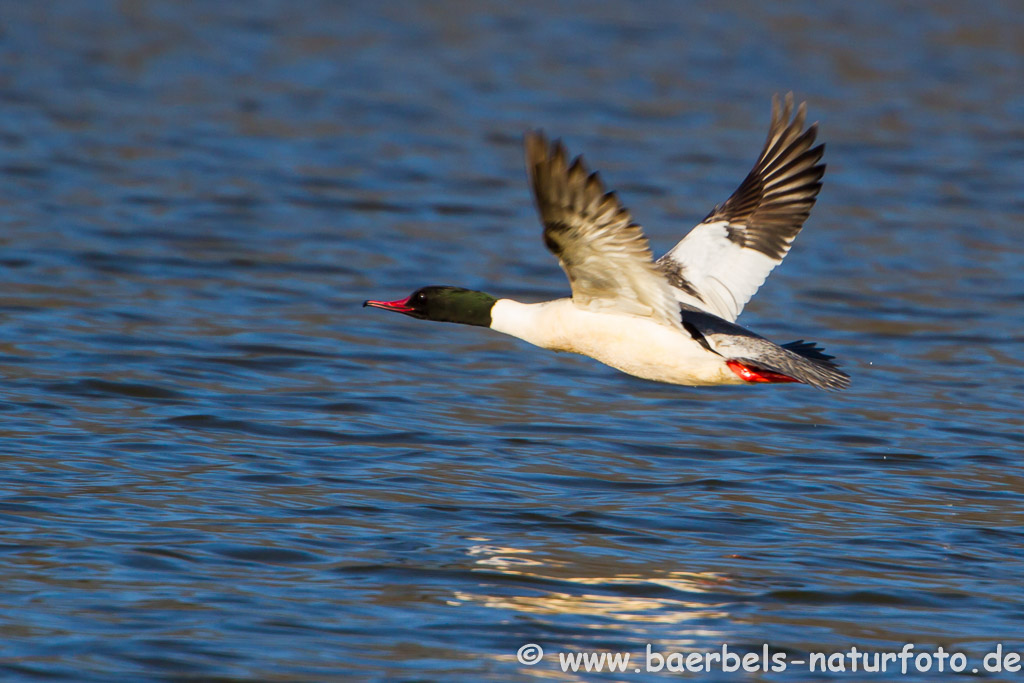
[797,361]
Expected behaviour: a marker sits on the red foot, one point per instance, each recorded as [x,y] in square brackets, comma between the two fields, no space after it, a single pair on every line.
[749,374]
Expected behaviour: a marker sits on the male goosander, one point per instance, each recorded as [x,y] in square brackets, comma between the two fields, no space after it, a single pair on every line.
[669,320]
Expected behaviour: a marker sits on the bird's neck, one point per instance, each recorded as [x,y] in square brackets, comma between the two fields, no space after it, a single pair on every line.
[539,324]
[462,306]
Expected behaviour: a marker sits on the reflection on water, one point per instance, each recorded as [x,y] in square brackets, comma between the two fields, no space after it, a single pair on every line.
[217,465]
[613,609]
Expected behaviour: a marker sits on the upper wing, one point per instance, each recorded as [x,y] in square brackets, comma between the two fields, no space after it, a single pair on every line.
[601,249]
[721,263]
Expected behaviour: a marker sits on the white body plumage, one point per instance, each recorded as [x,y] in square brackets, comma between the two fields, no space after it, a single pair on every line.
[636,345]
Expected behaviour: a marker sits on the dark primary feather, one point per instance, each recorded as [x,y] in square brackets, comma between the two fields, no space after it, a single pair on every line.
[770,206]
[808,350]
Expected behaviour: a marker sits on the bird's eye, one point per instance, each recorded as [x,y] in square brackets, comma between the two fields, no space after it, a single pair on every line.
[421,297]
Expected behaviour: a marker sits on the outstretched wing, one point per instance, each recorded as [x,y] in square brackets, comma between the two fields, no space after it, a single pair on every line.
[601,249]
[721,263]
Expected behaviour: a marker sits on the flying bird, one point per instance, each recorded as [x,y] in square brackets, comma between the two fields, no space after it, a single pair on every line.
[670,320]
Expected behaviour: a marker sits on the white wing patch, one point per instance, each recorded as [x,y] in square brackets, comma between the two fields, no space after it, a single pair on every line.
[723,274]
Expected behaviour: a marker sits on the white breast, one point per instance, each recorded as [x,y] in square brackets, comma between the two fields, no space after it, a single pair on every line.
[637,346]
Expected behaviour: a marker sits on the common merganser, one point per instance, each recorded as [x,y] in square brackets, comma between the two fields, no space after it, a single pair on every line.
[670,320]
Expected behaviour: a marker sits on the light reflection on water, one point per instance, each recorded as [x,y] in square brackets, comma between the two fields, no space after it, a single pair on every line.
[217,465]
[611,609]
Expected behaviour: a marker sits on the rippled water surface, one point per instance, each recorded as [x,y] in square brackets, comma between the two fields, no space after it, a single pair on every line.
[216,464]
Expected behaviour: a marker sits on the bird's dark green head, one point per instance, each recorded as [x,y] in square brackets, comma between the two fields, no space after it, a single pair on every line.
[444,304]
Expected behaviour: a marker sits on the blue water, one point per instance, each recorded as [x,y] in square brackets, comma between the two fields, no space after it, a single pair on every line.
[216,465]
